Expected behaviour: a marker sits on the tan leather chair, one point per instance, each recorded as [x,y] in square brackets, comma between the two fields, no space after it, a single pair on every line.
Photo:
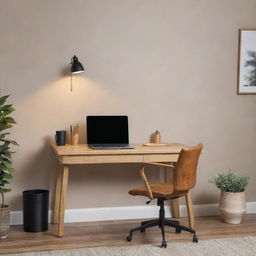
[183,181]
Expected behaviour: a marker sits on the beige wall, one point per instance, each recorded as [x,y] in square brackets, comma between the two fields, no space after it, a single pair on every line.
[169,65]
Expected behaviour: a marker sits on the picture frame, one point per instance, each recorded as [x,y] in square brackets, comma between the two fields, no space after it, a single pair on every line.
[246,80]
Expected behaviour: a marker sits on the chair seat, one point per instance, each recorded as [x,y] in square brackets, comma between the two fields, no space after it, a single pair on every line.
[159,190]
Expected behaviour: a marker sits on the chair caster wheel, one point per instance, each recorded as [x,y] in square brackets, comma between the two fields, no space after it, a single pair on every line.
[164,244]
[178,230]
[195,239]
[142,230]
[129,238]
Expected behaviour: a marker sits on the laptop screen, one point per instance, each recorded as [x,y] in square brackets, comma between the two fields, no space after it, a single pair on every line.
[107,129]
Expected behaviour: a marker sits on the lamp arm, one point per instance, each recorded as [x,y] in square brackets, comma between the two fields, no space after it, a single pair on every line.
[71,82]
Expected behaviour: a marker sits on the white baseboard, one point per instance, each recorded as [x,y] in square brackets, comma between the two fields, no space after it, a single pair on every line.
[129,212]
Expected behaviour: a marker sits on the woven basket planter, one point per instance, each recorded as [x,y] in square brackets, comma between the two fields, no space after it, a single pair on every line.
[4,221]
[232,207]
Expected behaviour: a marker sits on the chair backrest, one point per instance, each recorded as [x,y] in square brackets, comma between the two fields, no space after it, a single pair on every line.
[185,170]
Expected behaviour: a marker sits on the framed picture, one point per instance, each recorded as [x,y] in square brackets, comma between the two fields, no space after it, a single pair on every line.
[247,62]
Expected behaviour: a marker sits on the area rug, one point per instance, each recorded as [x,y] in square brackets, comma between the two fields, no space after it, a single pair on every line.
[244,246]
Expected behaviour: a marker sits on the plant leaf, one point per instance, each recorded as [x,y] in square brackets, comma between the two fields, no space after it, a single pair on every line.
[5,126]
[3,99]
[9,119]
[5,190]
[13,142]
[6,110]
[3,135]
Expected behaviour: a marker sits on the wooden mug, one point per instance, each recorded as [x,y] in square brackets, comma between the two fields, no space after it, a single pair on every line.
[74,138]
[156,137]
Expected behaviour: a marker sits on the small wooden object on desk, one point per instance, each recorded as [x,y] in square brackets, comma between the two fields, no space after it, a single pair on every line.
[74,137]
[155,140]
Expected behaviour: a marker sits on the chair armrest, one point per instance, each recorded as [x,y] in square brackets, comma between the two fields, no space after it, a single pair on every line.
[161,164]
[143,176]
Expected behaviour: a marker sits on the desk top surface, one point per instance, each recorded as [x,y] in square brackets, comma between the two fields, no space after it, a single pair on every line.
[83,149]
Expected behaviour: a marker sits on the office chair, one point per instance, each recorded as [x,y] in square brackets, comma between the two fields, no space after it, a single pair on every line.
[183,181]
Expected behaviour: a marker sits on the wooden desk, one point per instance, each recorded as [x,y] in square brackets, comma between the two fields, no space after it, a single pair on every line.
[82,154]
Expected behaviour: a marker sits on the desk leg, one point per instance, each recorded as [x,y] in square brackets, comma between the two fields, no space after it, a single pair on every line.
[56,211]
[63,191]
[175,205]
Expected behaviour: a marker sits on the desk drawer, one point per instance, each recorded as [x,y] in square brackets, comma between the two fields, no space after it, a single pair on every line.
[102,159]
[161,158]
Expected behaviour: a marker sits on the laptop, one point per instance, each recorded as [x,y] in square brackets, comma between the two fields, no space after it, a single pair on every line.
[108,132]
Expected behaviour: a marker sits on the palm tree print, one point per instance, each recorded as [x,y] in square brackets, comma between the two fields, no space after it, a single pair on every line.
[251,64]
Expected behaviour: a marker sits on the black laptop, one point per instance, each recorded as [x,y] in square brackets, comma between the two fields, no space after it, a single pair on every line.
[108,132]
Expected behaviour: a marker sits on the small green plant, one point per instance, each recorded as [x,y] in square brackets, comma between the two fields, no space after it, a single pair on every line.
[6,169]
[230,182]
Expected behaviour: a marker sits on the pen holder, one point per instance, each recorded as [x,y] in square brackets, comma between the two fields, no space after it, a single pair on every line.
[74,138]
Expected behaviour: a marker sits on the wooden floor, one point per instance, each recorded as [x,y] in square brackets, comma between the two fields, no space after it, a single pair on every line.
[113,233]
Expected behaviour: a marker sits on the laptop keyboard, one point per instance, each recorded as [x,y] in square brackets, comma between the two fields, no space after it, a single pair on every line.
[110,146]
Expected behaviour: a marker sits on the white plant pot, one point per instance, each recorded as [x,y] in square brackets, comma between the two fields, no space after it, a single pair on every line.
[232,207]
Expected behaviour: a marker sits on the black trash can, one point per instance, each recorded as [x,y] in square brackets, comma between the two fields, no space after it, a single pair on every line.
[35,210]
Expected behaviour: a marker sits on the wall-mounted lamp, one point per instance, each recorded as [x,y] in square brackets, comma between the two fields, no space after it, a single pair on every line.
[76,68]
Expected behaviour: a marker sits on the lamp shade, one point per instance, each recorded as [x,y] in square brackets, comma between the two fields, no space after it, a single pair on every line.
[76,66]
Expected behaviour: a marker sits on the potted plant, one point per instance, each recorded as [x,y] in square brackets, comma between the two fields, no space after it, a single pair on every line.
[6,169]
[232,199]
